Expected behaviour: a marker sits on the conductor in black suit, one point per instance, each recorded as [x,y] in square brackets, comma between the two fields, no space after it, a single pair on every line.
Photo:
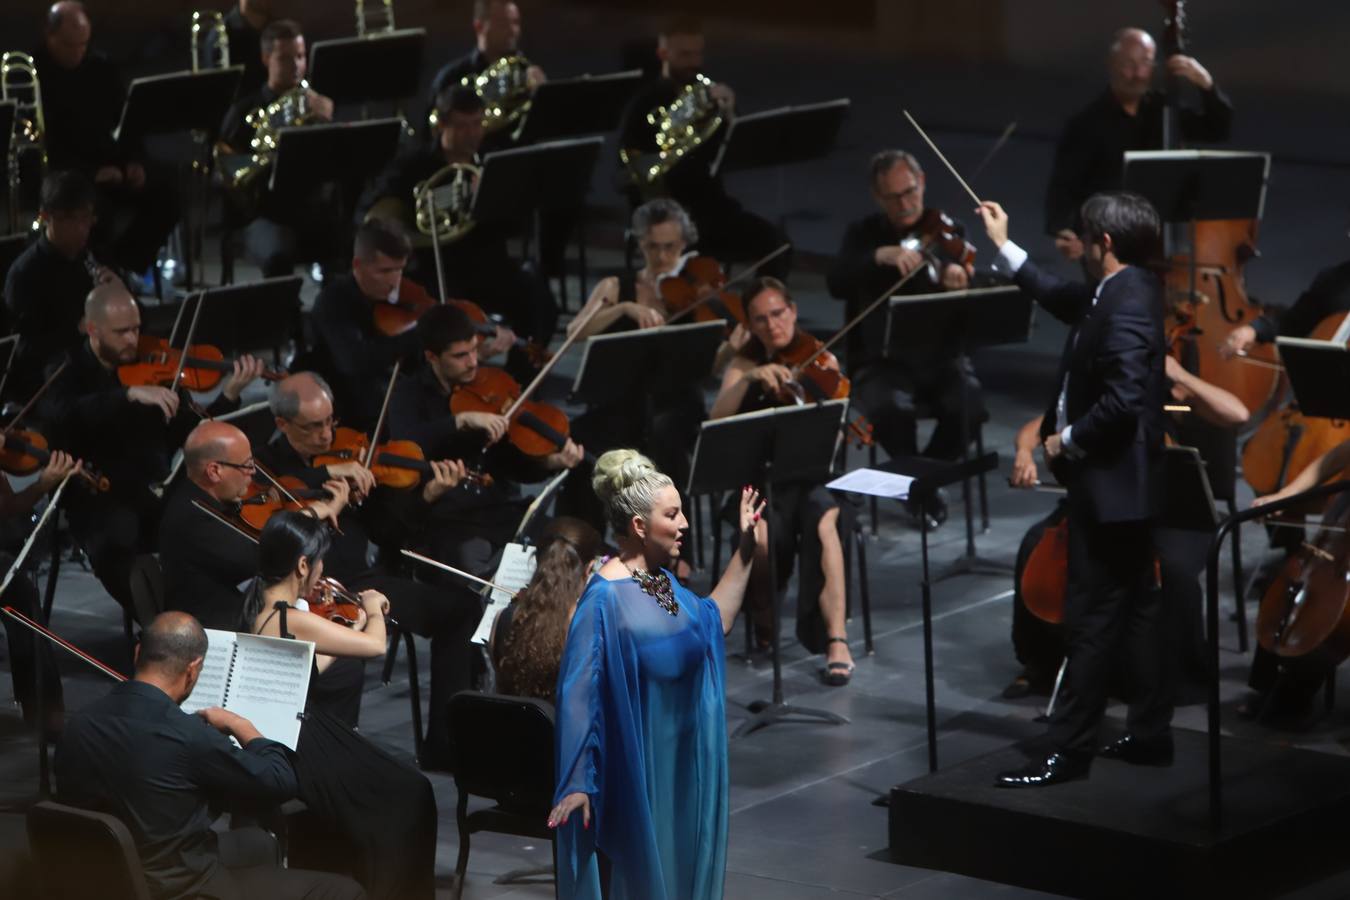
[1103,437]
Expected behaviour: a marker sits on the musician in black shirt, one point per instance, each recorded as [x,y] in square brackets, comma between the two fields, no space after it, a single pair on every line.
[1328,295]
[876,251]
[126,433]
[82,99]
[244,25]
[729,232]
[46,286]
[283,229]
[1128,115]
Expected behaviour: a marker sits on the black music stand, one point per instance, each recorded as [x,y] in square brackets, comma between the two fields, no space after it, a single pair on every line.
[1318,372]
[525,180]
[343,152]
[572,107]
[377,68]
[959,322]
[929,475]
[244,317]
[1188,504]
[668,357]
[770,446]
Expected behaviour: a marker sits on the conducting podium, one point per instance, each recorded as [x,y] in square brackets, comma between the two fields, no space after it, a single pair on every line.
[767,448]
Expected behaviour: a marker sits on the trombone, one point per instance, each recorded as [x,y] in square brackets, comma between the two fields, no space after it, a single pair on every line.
[374,17]
[19,85]
[209,34]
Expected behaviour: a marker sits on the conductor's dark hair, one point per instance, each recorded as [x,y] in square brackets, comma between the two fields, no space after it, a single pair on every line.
[378,235]
[458,98]
[684,24]
[67,191]
[759,285]
[443,325]
[1131,221]
[280,30]
[170,642]
[287,538]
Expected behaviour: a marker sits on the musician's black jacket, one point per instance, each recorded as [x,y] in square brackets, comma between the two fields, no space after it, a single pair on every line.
[352,351]
[385,518]
[1113,359]
[81,107]
[204,560]
[1327,295]
[89,415]
[690,181]
[245,50]
[855,278]
[44,296]
[1090,155]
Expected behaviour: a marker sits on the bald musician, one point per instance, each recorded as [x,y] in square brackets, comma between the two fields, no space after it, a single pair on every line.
[205,562]
[127,433]
[1128,115]
[384,521]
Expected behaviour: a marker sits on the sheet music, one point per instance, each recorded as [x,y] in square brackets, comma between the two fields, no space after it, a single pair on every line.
[210,689]
[873,482]
[269,683]
[513,573]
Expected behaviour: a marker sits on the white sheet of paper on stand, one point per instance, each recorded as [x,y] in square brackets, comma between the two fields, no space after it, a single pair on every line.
[874,483]
[513,573]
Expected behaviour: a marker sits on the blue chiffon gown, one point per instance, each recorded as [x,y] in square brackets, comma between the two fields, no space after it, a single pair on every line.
[641,729]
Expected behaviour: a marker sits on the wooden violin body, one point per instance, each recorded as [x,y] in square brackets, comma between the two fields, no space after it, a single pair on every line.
[696,293]
[265,499]
[395,464]
[158,364]
[25,452]
[536,429]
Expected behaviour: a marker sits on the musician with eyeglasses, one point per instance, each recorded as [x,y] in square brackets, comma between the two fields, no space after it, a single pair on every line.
[46,286]
[280,231]
[730,232]
[477,263]
[82,99]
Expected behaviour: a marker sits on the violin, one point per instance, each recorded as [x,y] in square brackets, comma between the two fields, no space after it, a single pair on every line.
[398,317]
[817,377]
[395,464]
[157,364]
[696,288]
[25,452]
[328,598]
[265,499]
[936,231]
[536,429]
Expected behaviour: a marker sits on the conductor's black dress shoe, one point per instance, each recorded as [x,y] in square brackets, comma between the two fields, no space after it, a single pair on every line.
[1155,751]
[1056,768]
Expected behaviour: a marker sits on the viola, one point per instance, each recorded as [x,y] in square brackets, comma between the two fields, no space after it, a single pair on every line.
[1305,612]
[536,429]
[264,499]
[157,364]
[25,452]
[328,598]
[697,289]
[395,464]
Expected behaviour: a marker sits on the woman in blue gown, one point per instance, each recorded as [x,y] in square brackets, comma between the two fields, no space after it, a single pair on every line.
[641,803]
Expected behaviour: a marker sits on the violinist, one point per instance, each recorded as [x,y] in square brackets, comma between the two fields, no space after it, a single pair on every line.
[806,517]
[467,529]
[127,433]
[478,266]
[82,99]
[664,426]
[875,251]
[303,409]
[280,231]
[347,345]
[46,286]
[1128,115]
[204,563]
[26,652]
[730,232]
[1103,435]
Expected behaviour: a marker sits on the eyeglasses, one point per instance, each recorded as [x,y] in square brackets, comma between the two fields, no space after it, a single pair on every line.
[315,427]
[668,247]
[248,465]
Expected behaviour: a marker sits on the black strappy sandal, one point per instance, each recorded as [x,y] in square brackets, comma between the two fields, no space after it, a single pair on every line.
[837,674]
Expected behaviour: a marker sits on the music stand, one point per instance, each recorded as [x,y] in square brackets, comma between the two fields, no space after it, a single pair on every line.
[774,445]
[242,317]
[371,69]
[342,152]
[1188,504]
[1318,372]
[959,321]
[572,107]
[667,357]
[523,180]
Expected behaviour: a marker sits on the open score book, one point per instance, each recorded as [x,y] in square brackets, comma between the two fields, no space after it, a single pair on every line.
[263,679]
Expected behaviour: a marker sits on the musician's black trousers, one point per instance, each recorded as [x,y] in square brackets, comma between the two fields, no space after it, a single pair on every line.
[27,651]
[894,396]
[112,530]
[1112,600]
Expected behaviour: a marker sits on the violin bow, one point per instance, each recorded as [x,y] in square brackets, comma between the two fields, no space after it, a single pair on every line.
[178,320]
[436,563]
[993,151]
[32,401]
[384,412]
[52,503]
[159,489]
[13,341]
[224,520]
[866,311]
[950,168]
[741,276]
[61,642]
[191,333]
[262,470]
[548,366]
